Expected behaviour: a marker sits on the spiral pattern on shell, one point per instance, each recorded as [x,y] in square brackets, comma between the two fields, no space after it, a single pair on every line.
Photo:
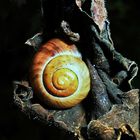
[58,74]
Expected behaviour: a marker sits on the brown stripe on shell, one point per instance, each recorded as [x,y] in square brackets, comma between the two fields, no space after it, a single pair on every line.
[47,51]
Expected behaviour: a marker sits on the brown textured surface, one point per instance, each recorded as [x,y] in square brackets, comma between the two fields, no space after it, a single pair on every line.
[74,120]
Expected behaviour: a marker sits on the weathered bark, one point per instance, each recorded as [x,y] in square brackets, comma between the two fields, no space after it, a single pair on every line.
[111,110]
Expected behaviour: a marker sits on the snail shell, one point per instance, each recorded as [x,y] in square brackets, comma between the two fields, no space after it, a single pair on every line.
[58,74]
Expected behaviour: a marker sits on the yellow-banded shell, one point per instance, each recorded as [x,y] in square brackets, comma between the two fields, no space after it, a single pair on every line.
[58,74]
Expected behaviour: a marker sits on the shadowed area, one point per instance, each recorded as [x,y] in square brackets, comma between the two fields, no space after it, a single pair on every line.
[20,20]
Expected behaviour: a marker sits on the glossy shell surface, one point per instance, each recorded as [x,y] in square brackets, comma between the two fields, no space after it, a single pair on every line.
[58,75]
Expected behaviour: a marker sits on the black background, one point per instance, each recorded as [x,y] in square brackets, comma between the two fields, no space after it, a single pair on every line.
[20,20]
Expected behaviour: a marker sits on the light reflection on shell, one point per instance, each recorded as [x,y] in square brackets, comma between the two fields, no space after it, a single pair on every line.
[58,75]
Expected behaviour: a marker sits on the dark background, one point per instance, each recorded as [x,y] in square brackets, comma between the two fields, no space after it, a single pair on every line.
[20,20]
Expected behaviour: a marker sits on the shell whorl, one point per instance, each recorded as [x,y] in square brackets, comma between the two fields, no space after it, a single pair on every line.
[58,74]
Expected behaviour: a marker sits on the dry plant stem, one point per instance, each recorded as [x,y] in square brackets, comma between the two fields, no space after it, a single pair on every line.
[99,94]
[99,13]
